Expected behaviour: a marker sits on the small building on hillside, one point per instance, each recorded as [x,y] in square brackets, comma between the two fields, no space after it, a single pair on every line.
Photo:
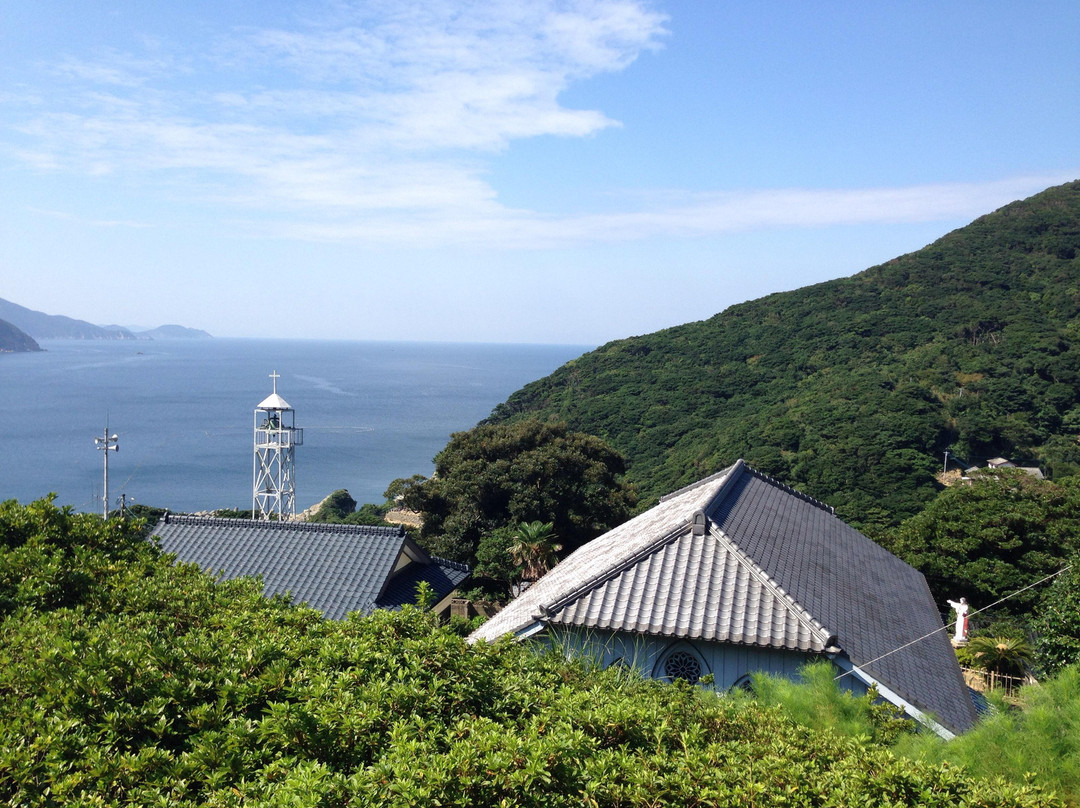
[1003,463]
[336,569]
[738,574]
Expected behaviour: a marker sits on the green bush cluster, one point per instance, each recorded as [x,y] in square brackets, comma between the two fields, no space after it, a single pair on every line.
[126,679]
[1039,742]
[817,702]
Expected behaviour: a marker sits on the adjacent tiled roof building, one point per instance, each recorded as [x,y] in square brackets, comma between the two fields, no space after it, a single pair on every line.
[336,569]
[741,560]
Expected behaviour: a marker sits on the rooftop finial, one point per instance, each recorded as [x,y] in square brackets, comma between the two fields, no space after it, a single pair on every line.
[275,376]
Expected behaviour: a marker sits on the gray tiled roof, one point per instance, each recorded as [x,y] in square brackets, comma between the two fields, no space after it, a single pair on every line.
[443,576]
[772,568]
[709,591]
[872,601]
[601,558]
[336,569]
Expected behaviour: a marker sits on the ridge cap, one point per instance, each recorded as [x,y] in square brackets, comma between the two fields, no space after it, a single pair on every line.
[729,470]
[375,531]
[446,562]
[817,503]
[802,614]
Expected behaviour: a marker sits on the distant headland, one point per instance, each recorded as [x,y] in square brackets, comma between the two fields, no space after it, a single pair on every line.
[19,324]
[15,340]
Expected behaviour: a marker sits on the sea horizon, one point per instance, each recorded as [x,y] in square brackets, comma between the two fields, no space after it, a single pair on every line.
[182,409]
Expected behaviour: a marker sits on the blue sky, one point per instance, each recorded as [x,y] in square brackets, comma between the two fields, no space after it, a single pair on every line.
[571,172]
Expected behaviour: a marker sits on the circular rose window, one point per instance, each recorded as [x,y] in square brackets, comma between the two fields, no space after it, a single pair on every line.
[683,665]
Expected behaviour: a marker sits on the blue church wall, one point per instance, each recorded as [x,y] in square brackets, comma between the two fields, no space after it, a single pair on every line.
[667,657]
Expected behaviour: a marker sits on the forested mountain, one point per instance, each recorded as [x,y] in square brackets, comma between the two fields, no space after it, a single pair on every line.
[853,389]
[14,340]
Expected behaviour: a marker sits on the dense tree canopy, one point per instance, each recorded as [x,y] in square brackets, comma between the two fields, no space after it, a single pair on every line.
[508,474]
[511,555]
[1058,622]
[126,680]
[852,390]
[993,537]
[494,562]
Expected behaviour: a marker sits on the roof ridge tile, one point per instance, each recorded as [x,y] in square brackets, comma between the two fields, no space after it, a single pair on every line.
[788,489]
[793,606]
[711,478]
[374,531]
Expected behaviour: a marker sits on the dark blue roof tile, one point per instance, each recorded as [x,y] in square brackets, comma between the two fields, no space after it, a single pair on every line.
[336,569]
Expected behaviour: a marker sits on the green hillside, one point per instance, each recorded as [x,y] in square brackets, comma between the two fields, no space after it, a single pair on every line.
[852,390]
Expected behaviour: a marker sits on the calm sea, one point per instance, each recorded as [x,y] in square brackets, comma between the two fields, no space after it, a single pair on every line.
[183,410]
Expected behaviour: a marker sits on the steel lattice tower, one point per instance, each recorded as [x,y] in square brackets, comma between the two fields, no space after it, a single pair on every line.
[273,493]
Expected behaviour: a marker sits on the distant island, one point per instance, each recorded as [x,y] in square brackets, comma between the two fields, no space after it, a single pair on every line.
[38,325]
[169,331]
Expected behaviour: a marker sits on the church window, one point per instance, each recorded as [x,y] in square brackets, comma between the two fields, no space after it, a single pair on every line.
[682,665]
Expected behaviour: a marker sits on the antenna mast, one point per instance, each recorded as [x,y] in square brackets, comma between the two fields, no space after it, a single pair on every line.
[107,443]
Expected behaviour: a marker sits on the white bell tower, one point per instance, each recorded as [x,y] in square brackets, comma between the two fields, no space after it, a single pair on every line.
[273,494]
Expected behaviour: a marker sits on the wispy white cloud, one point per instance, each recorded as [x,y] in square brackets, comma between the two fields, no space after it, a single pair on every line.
[377,122]
[685,215]
[385,107]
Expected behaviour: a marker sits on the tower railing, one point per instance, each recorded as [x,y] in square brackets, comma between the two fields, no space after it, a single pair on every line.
[281,437]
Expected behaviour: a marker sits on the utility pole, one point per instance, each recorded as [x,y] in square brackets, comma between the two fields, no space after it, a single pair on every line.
[107,443]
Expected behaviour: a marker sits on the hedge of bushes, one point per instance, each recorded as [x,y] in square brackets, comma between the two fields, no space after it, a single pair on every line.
[128,680]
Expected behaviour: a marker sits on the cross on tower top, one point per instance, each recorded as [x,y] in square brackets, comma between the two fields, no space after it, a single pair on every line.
[275,376]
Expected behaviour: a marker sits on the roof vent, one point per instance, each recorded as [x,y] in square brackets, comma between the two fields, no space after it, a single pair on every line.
[699,523]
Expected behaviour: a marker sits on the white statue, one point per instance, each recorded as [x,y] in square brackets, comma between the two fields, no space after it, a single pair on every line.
[961,634]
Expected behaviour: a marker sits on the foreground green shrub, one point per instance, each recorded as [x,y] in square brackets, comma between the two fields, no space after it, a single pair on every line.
[816,701]
[1040,741]
[145,683]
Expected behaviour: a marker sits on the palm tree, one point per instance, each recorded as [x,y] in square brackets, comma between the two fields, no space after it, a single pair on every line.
[1004,656]
[534,549]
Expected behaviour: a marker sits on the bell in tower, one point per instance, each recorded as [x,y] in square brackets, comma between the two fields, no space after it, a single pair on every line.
[273,495]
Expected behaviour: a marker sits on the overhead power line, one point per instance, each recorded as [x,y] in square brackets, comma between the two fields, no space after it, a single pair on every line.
[946,627]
